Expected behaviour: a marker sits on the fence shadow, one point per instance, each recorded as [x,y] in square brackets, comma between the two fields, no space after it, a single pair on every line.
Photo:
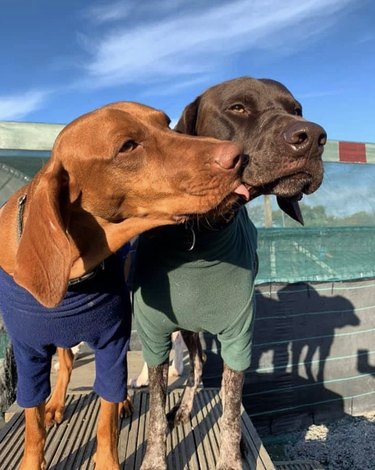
[286,384]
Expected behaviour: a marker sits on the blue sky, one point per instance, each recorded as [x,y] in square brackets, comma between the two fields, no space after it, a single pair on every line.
[61,59]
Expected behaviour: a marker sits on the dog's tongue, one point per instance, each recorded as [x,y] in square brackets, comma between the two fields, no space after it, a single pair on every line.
[242,191]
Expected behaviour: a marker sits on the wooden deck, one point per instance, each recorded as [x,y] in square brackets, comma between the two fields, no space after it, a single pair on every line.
[193,446]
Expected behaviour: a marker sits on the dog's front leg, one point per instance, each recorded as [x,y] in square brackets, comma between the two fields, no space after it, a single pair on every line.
[106,457]
[157,429]
[230,433]
[35,438]
[56,404]
[181,412]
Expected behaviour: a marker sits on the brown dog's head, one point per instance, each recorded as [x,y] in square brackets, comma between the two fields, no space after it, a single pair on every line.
[114,173]
[124,161]
[284,150]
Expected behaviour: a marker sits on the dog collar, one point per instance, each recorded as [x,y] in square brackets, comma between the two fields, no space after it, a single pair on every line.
[21,209]
[87,276]
[189,225]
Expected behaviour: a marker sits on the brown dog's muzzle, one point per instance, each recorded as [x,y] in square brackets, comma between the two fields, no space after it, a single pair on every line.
[229,157]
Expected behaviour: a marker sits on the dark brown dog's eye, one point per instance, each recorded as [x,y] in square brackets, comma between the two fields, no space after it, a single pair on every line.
[128,146]
[298,112]
[239,108]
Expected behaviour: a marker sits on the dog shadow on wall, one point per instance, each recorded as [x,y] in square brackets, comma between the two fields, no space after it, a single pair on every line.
[364,366]
[297,357]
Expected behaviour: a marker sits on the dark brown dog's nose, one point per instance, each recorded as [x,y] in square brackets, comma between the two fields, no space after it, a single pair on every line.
[303,135]
[229,156]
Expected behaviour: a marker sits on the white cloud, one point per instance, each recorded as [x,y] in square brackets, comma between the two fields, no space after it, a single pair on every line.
[172,46]
[105,13]
[20,105]
[190,43]
[173,87]
[120,10]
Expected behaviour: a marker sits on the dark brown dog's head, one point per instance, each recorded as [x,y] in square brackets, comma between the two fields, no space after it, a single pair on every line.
[284,150]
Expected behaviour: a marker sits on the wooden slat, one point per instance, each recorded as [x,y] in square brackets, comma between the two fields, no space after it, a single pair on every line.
[191,446]
[142,430]
[11,449]
[258,451]
[129,452]
[66,439]
[202,400]
[84,456]
[199,435]
[187,445]
[171,438]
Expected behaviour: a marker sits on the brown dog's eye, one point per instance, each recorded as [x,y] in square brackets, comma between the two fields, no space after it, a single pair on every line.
[128,146]
[298,111]
[238,108]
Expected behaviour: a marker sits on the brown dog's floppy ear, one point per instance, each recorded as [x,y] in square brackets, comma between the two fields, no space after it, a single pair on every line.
[43,261]
[187,122]
[291,207]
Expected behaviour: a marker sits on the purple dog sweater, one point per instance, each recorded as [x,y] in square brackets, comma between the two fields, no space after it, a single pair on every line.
[96,310]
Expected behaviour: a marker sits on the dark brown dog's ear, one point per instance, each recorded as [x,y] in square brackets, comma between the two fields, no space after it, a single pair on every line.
[43,261]
[188,119]
[291,207]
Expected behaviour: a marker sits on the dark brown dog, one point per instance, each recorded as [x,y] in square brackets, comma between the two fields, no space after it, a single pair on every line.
[284,158]
[114,173]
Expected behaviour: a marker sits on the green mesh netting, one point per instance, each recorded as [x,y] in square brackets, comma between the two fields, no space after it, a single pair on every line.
[27,163]
[338,239]
[316,254]
[10,180]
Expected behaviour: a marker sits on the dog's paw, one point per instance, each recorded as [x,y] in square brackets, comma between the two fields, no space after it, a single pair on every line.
[154,459]
[125,408]
[106,466]
[228,467]
[177,415]
[224,464]
[154,466]
[33,462]
[104,463]
[175,371]
[54,414]
[135,382]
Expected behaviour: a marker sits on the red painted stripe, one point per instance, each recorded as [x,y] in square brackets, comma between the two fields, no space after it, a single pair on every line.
[352,152]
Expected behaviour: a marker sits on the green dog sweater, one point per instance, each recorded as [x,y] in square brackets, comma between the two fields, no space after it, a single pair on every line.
[210,288]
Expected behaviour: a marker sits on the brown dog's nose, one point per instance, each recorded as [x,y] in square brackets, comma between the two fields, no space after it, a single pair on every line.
[303,135]
[229,156]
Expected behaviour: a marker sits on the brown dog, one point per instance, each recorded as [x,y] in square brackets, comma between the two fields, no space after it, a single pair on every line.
[114,173]
[284,158]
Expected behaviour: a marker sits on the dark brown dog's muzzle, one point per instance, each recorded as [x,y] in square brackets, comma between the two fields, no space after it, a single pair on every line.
[302,136]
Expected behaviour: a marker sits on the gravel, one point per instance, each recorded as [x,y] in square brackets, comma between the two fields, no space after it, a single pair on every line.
[347,444]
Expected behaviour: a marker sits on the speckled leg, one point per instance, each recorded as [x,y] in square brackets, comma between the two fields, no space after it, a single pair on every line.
[155,458]
[181,412]
[230,434]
